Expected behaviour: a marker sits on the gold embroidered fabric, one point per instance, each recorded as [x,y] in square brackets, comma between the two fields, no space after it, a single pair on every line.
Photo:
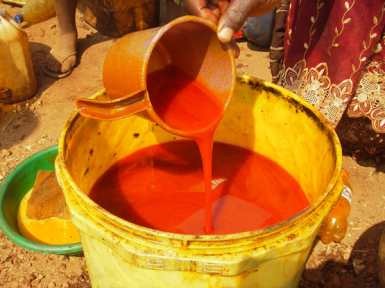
[369,100]
[314,85]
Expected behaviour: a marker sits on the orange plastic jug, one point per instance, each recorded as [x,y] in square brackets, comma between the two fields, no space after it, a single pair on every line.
[188,43]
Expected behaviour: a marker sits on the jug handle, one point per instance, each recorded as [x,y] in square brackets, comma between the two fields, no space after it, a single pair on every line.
[112,109]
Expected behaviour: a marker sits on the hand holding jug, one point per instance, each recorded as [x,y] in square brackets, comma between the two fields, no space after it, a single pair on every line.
[188,43]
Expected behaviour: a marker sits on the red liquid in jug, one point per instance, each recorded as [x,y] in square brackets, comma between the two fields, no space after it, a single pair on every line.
[162,187]
[177,187]
[183,103]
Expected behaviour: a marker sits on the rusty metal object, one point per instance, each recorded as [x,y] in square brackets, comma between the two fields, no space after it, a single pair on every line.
[169,10]
[118,17]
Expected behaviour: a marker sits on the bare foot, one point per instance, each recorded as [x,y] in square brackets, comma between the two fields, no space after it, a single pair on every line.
[63,57]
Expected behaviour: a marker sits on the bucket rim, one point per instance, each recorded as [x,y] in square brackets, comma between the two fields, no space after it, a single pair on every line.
[142,231]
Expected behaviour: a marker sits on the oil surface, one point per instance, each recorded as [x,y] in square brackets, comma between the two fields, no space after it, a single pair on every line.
[162,187]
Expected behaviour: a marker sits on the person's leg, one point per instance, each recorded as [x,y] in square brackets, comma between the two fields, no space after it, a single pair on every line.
[63,55]
[258,31]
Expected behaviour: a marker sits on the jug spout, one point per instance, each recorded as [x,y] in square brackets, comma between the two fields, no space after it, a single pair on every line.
[113,109]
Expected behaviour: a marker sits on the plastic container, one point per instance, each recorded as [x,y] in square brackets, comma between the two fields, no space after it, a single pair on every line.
[12,191]
[335,225]
[17,77]
[261,117]
[35,11]
[189,43]
[118,17]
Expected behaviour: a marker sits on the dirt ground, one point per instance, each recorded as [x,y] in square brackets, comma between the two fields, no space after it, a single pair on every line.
[27,128]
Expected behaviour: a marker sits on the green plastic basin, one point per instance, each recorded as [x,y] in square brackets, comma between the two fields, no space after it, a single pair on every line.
[12,191]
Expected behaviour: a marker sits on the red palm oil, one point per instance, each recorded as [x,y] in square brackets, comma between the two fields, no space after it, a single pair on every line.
[196,189]
[162,187]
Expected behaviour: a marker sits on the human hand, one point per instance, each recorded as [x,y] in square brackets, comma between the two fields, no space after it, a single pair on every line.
[208,9]
[230,15]
[233,18]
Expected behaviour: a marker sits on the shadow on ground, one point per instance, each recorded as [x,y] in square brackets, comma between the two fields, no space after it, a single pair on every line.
[16,126]
[19,120]
[360,271]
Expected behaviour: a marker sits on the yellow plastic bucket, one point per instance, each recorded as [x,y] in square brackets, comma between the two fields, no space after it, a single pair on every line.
[262,117]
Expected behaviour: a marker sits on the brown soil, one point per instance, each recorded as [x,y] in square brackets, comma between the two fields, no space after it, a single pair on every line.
[27,128]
